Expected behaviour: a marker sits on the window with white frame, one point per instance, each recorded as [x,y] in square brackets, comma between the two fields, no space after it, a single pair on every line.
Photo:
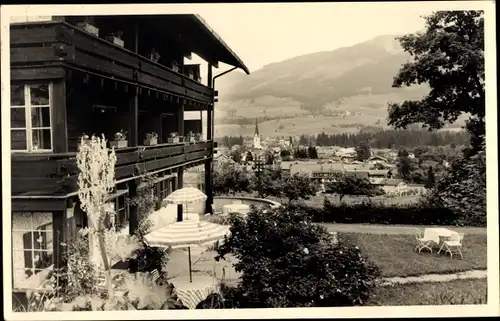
[30,117]
[32,245]
[120,209]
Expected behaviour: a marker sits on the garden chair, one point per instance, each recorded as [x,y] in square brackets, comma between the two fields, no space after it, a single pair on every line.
[423,243]
[453,244]
[215,211]
[155,275]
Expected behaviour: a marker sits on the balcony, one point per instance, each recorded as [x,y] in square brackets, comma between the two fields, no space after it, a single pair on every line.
[51,46]
[56,174]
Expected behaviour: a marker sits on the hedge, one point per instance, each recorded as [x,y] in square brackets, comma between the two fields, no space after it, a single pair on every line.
[409,214]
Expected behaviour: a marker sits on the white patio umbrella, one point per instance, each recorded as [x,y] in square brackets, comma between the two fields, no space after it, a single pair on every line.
[186,234]
[186,195]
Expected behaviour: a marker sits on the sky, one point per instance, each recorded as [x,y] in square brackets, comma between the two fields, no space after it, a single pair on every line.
[270,32]
[263,33]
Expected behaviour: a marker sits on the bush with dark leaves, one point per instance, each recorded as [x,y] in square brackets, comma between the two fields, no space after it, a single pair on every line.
[287,261]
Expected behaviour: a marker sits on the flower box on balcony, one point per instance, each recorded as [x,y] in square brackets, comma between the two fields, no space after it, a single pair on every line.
[117,41]
[119,143]
[85,26]
[191,138]
[151,141]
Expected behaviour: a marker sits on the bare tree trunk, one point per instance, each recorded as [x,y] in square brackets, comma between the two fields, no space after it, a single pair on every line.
[102,249]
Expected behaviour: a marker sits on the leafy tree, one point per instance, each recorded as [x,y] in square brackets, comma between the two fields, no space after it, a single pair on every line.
[285,153]
[236,155]
[363,152]
[300,153]
[269,158]
[249,157]
[286,261]
[405,167]
[303,140]
[312,152]
[352,184]
[463,190]
[230,178]
[403,153]
[431,178]
[266,182]
[294,187]
[395,138]
[449,57]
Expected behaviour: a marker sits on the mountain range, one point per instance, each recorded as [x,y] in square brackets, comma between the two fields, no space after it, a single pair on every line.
[343,90]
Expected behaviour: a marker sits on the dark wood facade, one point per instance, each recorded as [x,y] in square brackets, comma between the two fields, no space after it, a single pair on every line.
[98,87]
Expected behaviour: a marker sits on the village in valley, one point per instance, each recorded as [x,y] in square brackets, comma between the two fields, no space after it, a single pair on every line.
[351,176]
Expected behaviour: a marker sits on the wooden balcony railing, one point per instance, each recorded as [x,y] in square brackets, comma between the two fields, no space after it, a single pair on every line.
[56,174]
[58,43]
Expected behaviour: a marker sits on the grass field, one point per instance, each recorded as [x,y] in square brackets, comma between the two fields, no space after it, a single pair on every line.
[395,255]
[440,293]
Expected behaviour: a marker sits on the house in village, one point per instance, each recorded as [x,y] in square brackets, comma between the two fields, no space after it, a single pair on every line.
[374,160]
[325,152]
[393,186]
[72,75]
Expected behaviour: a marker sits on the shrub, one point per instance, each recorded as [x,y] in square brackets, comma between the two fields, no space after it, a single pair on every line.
[77,277]
[148,259]
[218,219]
[376,213]
[289,262]
[141,294]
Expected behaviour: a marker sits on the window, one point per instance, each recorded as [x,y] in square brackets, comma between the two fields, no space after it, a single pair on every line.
[32,245]
[163,189]
[30,118]
[120,207]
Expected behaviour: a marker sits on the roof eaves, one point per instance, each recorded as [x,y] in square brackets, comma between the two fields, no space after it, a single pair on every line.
[223,43]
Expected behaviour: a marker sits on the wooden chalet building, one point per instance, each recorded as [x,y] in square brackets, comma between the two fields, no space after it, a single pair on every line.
[72,76]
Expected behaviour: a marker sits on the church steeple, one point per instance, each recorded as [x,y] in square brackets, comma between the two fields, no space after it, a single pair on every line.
[256,137]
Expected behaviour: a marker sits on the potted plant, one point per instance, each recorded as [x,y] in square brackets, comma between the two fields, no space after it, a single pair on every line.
[174,138]
[116,38]
[88,26]
[36,144]
[151,139]
[190,137]
[84,137]
[154,55]
[120,140]
[175,66]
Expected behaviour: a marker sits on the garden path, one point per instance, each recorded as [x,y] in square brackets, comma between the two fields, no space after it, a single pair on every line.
[393,229]
[472,274]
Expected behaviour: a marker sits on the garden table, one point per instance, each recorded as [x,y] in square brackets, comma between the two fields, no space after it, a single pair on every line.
[438,234]
[235,208]
[192,293]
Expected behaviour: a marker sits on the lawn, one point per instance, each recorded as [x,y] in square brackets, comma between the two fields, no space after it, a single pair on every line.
[440,293]
[395,255]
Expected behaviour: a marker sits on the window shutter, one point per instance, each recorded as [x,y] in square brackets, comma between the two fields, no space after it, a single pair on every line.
[158,194]
[28,253]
